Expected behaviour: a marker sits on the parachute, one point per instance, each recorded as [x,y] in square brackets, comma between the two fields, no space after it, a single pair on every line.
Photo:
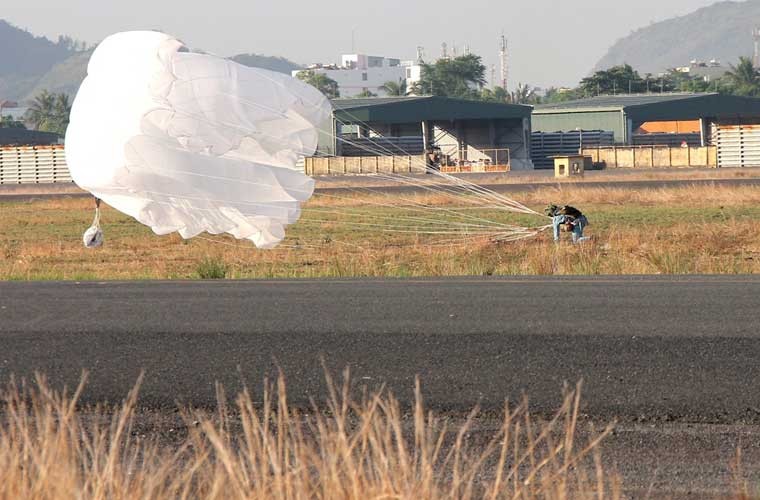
[190,143]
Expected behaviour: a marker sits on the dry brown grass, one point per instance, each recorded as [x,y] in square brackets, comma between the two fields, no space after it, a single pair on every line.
[359,448]
[696,196]
[611,175]
[707,229]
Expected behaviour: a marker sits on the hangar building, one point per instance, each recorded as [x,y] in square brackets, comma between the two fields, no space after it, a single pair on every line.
[465,132]
[729,122]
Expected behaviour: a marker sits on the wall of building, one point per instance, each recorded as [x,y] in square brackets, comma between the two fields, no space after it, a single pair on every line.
[653,156]
[342,165]
[481,139]
[360,73]
[609,121]
[33,165]
[670,127]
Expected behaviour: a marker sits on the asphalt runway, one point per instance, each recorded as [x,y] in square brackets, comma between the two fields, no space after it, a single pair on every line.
[534,186]
[658,348]
[367,185]
[673,360]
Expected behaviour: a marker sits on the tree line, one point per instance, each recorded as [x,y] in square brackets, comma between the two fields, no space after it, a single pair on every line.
[464,77]
[48,113]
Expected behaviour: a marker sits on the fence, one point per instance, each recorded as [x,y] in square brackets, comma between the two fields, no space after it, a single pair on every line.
[398,146]
[665,139]
[354,165]
[545,145]
[653,156]
[33,165]
[477,160]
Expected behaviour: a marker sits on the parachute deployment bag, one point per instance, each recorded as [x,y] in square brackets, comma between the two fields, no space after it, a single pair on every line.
[93,237]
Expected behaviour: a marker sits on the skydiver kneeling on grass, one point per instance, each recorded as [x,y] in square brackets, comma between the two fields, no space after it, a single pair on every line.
[570,218]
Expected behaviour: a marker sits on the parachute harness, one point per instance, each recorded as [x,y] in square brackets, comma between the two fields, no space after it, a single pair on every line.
[93,237]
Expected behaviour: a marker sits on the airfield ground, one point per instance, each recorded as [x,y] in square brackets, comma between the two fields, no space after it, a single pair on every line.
[700,229]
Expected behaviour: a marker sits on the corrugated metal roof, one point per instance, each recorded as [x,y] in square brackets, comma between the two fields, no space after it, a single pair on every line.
[659,107]
[618,102]
[420,108]
[372,101]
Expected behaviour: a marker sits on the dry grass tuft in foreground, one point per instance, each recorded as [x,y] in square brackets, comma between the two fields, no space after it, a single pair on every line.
[368,448]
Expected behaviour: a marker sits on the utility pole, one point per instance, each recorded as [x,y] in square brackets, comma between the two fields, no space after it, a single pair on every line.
[444,51]
[756,38]
[503,60]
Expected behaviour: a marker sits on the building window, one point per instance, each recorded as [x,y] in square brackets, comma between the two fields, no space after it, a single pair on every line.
[364,77]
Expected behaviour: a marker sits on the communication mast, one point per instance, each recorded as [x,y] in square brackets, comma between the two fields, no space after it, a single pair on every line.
[756,38]
[420,53]
[503,61]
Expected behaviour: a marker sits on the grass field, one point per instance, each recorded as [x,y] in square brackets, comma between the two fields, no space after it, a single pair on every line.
[706,229]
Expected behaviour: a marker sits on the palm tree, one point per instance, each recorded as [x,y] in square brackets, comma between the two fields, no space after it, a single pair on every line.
[394,88]
[744,78]
[321,82]
[50,112]
[523,94]
[41,113]
[62,107]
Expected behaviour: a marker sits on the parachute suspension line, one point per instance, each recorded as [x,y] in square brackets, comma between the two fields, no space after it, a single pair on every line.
[461,182]
[503,202]
[475,189]
[358,190]
[496,228]
[459,190]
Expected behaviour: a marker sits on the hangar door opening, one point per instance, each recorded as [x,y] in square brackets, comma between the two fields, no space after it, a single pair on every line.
[738,145]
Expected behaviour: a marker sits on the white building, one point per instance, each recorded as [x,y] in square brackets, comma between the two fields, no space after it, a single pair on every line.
[359,73]
[708,71]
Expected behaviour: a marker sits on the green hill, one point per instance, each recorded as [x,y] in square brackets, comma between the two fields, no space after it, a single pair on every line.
[64,77]
[30,64]
[721,31]
[24,54]
[25,58]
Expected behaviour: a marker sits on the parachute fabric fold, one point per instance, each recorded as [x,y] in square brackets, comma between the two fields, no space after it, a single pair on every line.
[191,143]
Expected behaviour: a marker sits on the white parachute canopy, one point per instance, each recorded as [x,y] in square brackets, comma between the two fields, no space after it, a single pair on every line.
[191,142]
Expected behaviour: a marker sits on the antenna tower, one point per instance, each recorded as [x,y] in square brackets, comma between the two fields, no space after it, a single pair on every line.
[420,53]
[503,61]
[444,51]
[756,38]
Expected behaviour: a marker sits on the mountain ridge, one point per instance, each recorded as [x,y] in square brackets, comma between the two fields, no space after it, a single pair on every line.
[30,64]
[721,31]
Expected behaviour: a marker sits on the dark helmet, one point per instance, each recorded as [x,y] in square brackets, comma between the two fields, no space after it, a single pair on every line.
[551,210]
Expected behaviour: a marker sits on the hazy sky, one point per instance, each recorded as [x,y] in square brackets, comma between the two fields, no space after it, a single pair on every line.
[552,42]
